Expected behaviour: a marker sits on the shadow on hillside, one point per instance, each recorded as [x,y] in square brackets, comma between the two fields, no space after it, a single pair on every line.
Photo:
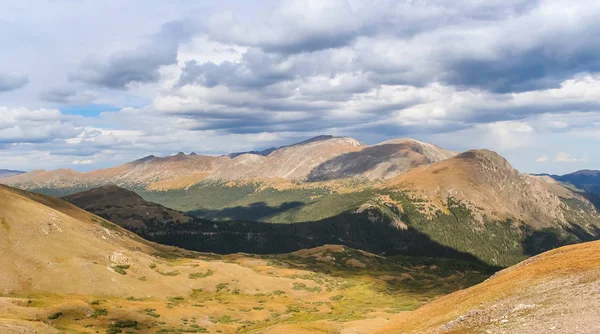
[254,211]
[351,230]
[357,163]
[593,198]
[543,240]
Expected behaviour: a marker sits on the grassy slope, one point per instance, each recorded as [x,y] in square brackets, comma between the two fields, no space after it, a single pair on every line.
[84,274]
[500,243]
[559,286]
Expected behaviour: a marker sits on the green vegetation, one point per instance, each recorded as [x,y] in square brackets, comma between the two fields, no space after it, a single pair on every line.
[55,316]
[200,275]
[120,269]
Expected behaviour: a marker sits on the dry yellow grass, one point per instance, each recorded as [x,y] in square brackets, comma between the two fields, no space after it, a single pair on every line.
[553,279]
[66,270]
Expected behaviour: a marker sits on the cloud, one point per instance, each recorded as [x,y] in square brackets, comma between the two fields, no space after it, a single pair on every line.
[139,65]
[10,82]
[566,157]
[22,125]
[69,96]
[83,162]
[543,158]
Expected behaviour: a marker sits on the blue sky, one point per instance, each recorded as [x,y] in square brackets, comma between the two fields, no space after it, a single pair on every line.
[86,84]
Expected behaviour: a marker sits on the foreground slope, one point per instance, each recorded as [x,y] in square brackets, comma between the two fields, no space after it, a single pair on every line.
[66,270]
[554,292]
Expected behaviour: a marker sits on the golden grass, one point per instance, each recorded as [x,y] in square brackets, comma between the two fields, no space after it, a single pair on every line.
[575,260]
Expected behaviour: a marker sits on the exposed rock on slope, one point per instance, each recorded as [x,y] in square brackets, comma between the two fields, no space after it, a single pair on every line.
[491,187]
[380,161]
[555,292]
[320,158]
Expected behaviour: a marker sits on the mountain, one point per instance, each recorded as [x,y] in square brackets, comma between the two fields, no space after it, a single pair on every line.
[477,198]
[555,292]
[398,197]
[157,223]
[4,173]
[65,270]
[473,206]
[319,158]
[126,208]
[586,180]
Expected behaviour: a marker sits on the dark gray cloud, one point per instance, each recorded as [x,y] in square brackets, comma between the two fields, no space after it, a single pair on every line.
[256,69]
[68,96]
[10,82]
[529,70]
[138,65]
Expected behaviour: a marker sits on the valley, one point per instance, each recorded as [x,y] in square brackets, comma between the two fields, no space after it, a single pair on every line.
[355,238]
[66,270]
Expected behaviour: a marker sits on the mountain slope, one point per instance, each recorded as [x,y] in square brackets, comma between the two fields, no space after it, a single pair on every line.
[554,292]
[319,158]
[65,270]
[488,181]
[586,180]
[476,202]
[125,208]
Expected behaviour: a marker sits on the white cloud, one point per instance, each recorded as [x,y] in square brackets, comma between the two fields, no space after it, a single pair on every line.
[543,158]
[83,162]
[566,157]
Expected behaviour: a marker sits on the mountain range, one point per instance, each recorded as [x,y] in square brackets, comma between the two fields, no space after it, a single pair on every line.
[4,173]
[67,270]
[327,235]
[398,197]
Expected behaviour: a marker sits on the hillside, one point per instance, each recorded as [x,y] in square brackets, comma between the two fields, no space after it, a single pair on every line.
[125,208]
[157,223]
[585,180]
[66,270]
[322,158]
[5,173]
[555,292]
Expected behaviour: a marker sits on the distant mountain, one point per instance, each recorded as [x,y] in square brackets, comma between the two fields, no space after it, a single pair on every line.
[398,197]
[4,173]
[586,180]
[319,158]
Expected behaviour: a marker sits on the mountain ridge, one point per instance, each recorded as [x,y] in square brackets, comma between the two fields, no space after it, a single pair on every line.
[296,162]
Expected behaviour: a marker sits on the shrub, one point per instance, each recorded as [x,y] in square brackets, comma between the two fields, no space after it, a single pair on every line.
[200,275]
[55,316]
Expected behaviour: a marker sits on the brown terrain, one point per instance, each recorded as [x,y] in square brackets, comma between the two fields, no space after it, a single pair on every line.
[65,270]
[125,208]
[555,292]
[491,187]
[321,158]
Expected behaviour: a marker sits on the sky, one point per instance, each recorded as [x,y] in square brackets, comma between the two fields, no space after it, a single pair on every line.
[93,84]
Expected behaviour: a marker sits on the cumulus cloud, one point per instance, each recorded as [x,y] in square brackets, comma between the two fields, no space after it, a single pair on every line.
[507,75]
[9,82]
[138,65]
[22,125]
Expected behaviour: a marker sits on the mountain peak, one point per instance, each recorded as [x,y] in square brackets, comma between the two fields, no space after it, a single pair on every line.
[486,156]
